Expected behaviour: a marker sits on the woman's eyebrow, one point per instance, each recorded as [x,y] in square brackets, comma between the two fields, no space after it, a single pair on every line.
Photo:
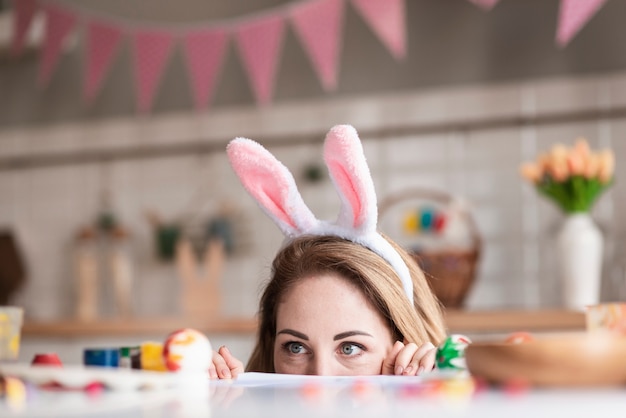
[343,335]
[294,333]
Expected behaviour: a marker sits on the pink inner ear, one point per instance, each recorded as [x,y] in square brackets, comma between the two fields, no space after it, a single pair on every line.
[268,191]
[263,177]
[343,182]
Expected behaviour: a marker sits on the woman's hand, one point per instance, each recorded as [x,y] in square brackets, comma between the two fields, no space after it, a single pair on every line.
[409,359]
[225,365]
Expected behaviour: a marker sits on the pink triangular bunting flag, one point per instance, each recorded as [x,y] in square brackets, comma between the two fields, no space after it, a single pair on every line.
[204,51]
[151,51]
[387,20]
[573,15]
[318,25]
[24,11]
[260,42]
[59,23]
[100,47]
[485,4]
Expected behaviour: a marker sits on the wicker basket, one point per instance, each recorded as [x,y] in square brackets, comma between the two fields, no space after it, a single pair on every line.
[450,273]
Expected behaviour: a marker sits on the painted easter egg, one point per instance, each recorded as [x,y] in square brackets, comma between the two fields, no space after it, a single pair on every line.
[451,353]
[187,350]
[427,216]
[424,220]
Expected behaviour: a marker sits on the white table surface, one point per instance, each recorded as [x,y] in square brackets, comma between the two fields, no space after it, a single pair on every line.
[303,398]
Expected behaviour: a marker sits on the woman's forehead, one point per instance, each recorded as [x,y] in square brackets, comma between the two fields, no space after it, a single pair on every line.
[326,301]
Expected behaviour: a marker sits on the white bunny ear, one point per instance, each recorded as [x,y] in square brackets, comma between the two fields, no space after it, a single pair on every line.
[273,187]
[351,176]
[358,216]
[271,184]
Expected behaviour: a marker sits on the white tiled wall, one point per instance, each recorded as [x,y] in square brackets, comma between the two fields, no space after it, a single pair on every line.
[45,206]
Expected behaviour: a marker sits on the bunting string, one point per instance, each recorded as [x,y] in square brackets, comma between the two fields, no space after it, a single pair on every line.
[258,37]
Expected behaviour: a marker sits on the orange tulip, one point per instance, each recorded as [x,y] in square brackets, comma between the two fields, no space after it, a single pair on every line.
[606,167]
[581,147]
[592,166]
[531,172]
[559,152]
[576,163]
[558,170]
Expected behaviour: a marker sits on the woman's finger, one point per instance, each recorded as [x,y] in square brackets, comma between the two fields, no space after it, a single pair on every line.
[232,362]
[223,372]
[212,369]
[420,360]
[427,362]
[390,361]
[403,359]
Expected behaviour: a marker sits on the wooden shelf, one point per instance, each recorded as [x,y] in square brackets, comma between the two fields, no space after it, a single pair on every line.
[514,320]
[136,326]
[459,321]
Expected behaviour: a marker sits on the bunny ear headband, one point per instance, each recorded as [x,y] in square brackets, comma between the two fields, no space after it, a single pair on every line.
[271,184]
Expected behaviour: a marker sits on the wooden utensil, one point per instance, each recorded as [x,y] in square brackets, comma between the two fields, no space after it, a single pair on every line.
[87,272]
[200,285]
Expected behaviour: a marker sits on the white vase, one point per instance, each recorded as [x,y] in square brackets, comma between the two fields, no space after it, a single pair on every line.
[580,245]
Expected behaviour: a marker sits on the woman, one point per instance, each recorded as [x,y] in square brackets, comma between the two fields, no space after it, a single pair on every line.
[343,299]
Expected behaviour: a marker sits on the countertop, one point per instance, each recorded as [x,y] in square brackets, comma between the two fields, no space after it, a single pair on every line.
[352,399]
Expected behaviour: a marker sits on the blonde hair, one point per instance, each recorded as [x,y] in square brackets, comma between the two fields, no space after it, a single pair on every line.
[309,255]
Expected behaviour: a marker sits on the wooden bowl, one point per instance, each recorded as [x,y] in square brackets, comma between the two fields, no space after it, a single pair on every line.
[590,359]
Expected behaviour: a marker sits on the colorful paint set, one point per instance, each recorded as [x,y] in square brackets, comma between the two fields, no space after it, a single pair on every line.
[183,350]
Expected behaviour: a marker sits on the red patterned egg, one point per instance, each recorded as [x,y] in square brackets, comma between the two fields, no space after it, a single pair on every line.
[187,350]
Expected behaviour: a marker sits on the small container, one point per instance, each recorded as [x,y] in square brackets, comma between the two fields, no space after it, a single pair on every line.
[151,357]
[10,331]
[47,359]
[102,357]
[129,356]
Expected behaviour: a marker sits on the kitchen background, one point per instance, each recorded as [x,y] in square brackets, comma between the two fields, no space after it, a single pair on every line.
[479,92]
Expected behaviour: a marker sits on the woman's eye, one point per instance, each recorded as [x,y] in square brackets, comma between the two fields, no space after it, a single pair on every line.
[295,348]
[350,349]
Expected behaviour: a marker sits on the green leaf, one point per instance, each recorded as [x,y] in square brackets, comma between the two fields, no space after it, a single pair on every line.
[575,194]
